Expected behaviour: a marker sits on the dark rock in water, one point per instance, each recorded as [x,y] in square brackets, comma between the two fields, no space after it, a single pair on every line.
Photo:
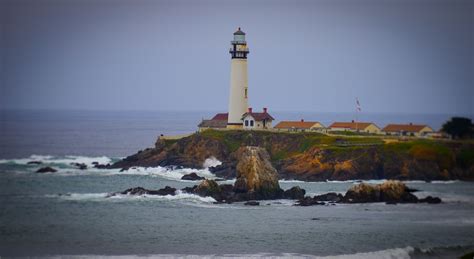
[192,177]
[189,189]
[209,188]
[165,191]
[95,163]
[81,166]
[225,170]
[135,191]
[295,193]
[46,170]
[308,201]
[389,191]
[34,163]
[315,219]
[331,197]
[142,191]
[430,200]
[101,166]
[252,203]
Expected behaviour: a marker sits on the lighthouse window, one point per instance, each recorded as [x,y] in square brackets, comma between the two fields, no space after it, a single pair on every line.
[245,92]
[246,123]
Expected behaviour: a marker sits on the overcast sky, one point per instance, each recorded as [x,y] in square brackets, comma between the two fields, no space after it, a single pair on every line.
[407,56]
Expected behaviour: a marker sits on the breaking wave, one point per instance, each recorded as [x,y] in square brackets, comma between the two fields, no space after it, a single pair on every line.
[211,162]
[399,253]
[170,173]
[55,160]
[65,167]
[103,197]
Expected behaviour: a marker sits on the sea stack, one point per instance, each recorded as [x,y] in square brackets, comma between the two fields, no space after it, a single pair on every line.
[256,175]
[238,95]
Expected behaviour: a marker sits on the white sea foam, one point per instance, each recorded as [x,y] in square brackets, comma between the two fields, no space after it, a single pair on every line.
[103,197]
[399,253]
[211,162]
[445,182]
[65,160]
[169,173]
[291,181]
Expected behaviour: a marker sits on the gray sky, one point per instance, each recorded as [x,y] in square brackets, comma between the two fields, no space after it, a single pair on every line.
[407,56]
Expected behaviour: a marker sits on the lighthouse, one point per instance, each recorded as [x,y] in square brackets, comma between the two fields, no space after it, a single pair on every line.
[238,95]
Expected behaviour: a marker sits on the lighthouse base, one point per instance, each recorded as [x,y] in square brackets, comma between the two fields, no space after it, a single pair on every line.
[235,125]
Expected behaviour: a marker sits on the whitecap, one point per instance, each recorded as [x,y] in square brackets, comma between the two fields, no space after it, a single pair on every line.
[170,173]
[59,160]
[103,197]
[211,162]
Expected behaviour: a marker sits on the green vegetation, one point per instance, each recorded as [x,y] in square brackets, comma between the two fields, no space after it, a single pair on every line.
[424,150]
[283,145]
[169,142]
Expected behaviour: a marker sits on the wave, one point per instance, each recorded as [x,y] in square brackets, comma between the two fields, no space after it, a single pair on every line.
[59,160]
[170,173]
[64,166]
[291,181]
[211,162]
[399,253]
[103,197]
[379,181]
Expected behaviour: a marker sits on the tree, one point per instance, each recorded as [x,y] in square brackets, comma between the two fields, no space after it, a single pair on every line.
[458,127]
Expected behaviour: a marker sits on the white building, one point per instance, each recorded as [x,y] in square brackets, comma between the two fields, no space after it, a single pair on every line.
[238,96]
[257,120]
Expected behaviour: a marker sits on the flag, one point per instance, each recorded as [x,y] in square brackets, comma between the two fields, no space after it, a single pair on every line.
[358,105]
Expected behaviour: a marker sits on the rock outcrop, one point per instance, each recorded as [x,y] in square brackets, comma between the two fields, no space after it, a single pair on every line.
[390,192]
[46,170]
[315,157]
[142,191]
[255,174]
[192,177]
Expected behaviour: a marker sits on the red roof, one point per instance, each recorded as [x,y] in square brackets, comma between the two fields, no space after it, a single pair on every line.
[259,116]
[351,125]
[404,127]
[221,117]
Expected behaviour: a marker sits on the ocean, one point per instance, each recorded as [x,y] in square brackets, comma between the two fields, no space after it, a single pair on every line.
[69,213]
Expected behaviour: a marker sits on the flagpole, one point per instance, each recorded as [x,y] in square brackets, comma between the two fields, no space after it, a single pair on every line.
[358,109]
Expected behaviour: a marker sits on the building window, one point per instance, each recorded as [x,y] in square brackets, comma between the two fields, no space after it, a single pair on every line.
[245,92]
[251,123]
[246,123]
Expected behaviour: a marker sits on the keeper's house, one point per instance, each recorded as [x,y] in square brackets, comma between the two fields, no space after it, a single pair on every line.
[299,126]
[257,120]
[355,126]
[417,130]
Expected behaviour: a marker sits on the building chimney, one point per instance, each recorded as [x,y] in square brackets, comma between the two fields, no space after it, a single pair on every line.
[353,121]
[302,120]
[411,123]
[250,109]
[264,110]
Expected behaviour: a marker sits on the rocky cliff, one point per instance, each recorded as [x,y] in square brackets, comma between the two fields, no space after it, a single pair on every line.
[316,157]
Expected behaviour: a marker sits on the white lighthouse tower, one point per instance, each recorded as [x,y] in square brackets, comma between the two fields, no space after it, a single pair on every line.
[238,96]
